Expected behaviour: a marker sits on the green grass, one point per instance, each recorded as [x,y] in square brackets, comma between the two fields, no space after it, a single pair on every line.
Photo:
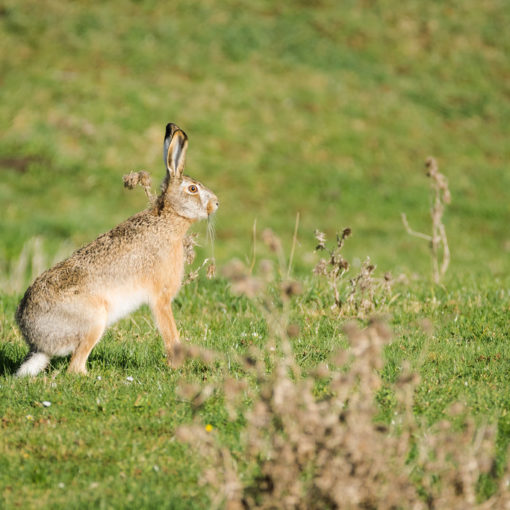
[103,434]
[328,110]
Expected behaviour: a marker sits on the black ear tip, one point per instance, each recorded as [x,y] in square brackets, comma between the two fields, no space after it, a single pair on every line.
[171,128]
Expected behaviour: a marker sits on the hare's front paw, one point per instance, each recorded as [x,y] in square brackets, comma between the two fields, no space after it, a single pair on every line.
[175,356]
[76,369]
[172,362]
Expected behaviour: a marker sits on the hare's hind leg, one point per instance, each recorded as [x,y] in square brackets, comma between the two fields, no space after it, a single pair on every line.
[86,344]
[162,310]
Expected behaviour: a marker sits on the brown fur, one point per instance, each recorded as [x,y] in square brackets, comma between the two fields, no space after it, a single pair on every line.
[68,307]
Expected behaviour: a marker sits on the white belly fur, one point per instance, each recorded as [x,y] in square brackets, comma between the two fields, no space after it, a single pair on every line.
[121,302]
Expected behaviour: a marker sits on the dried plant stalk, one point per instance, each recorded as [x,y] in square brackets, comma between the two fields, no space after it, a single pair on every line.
[294,242]
[305,453]
[298,451]
[438,240]
[141,178]
[366,292]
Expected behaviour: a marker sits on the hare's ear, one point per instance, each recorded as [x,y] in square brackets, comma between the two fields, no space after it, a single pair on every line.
[174,149]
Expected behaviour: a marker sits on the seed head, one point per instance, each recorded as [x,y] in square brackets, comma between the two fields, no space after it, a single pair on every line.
[291,288]
[293,330]
[271,240]
[321,240]
[141,178]
[321,268]
[211,270]
[189,243]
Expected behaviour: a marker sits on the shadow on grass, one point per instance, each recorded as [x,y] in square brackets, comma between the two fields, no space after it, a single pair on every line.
[104,356]
[123,360]
[8,363]
[124,355]
[12,356]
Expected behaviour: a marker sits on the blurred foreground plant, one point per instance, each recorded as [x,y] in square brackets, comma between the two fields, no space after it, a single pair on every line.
[302,452]
[299,452]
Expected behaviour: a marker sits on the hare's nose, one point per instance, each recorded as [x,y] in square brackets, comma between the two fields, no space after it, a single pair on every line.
[212,205]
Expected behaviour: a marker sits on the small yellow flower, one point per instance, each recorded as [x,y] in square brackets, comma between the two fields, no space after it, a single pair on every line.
[208,427]
[30,417]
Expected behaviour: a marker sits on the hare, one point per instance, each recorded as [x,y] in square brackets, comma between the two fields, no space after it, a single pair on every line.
[67,308]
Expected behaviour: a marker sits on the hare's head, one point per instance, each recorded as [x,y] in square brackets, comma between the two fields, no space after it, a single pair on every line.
[184,195]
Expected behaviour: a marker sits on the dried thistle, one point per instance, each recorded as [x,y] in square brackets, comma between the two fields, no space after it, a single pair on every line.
[183,352]
[271,240]
[291,288]
[195,273]
[363,293]
[363,289]
[266,269]
[242,281]
[321,269]
[189,243]
[438,241]
[301,453]
[293,330]
[142,179]
[248,286]
[234,270]
[211,270]
[321,240]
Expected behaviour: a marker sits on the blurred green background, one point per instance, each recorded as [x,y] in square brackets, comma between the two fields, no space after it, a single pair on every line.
[327,108]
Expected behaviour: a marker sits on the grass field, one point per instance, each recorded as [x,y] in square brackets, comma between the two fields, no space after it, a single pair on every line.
[325,109]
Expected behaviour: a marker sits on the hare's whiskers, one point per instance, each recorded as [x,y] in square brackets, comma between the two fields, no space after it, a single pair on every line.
[211,233]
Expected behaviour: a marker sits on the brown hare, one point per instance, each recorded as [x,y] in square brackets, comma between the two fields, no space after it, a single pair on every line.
[67,308]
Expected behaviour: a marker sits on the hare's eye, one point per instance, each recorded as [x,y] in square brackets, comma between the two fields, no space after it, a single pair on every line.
[192,188]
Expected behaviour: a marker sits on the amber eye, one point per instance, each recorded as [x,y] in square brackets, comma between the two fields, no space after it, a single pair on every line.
[192,188]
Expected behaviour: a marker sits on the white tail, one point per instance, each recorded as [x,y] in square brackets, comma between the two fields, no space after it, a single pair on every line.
[36,362]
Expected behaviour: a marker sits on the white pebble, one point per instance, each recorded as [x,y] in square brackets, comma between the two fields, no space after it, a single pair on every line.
[45,403]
